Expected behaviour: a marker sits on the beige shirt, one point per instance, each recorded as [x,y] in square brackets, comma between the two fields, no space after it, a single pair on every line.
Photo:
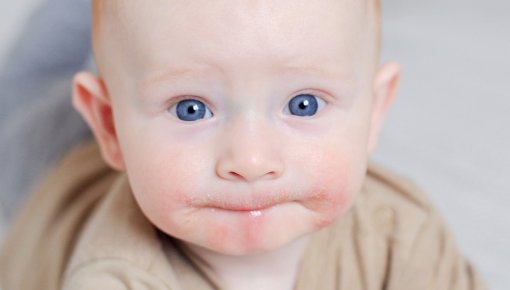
[82,230]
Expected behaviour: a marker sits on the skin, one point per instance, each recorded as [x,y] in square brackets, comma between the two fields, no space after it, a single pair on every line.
[243,189]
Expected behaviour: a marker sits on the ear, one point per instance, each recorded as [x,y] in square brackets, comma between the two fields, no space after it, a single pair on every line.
[384,90]
[91,100]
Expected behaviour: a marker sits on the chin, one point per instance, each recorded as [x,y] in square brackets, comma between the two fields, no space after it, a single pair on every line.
[238,233]
[241,249]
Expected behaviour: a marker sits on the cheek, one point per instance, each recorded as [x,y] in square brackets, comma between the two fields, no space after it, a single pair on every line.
[338,179]
[163,179]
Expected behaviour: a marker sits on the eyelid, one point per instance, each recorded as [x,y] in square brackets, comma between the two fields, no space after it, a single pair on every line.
[175,100]
[318,94]
[171,105]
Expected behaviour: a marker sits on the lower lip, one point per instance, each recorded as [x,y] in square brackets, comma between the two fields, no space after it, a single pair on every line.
[251,213]
[257,212]
[249,227]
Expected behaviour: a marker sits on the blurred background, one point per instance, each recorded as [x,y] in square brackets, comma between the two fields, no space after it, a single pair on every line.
[448,128]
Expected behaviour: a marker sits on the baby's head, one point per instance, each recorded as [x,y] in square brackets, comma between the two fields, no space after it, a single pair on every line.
[242,125]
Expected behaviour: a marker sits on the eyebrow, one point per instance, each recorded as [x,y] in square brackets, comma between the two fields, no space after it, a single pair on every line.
[173,74]
[321,71]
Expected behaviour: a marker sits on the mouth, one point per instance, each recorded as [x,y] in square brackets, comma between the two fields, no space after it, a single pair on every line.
[249,211]
[243,208]
[252,204]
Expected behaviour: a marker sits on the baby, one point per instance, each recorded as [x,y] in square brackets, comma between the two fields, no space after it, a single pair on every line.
[239,132]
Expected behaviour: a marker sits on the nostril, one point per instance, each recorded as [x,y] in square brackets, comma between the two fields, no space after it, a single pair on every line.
[271,174]
[248,169]
[251,177]
[235,175]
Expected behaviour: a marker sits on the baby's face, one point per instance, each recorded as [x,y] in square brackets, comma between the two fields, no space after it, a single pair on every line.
[243,125]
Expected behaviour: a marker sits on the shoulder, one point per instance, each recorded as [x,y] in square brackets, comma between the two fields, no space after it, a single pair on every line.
[395,189]
[395,213]
[396,207]
[422,252]
[116,235]
[393,201]
[112,274]
[45,230]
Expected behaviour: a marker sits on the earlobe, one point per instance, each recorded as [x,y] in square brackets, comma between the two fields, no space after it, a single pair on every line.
[91,100]
[385,86]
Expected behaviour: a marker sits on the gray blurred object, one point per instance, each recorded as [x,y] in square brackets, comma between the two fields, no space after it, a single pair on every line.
[37,122]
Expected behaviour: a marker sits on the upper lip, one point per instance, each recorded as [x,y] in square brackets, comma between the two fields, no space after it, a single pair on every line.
[254,202]
[242,207]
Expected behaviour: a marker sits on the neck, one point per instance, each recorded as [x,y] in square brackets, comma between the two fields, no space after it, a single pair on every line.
[263,271]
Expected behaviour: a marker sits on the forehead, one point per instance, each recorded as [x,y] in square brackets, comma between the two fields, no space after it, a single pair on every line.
[172,9]
[260,33]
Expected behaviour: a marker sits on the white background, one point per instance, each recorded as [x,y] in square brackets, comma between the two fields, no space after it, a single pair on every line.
[448,129]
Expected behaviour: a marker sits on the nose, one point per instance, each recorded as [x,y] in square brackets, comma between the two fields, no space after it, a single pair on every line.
[249,154]
[248,166]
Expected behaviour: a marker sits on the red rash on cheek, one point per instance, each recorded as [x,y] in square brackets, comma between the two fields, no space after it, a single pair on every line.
[330,205]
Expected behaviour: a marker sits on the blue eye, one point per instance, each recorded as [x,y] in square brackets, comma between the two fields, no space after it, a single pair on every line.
[190,110]
[304,105]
